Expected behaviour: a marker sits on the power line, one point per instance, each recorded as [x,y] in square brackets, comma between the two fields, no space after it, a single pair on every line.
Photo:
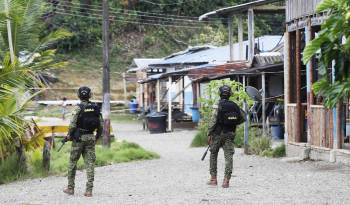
[142,15]
[166,20]
[133,11]
[127,21]
[161,4]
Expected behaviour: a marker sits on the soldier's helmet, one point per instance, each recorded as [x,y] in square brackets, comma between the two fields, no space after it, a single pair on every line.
[84,93]
[225,92]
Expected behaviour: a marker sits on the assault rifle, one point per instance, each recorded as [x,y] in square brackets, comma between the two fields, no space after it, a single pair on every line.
[63,143]
[205,153]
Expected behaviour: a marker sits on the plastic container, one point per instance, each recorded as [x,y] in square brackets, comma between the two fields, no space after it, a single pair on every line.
[133,107]
[277,132]
[156,122]
[195,114]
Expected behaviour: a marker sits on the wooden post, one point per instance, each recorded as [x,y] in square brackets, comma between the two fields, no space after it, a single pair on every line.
[240,37]
[125,91]
[158,95]
[298,119]
[251,38]
[263,84]
[194,91]
[169,105]
[230,36]
[106,108]
[198,93]
[142,96]
[183,93]
[308,38]
[246,123]
[9,32]
[286,83]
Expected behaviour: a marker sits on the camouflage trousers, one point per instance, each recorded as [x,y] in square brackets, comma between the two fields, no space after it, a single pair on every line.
[86,148]
[224,140]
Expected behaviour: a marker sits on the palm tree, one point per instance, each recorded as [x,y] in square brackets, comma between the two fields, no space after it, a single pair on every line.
[17,77]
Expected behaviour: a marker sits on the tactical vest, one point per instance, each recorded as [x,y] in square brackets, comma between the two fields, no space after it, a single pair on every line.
[229,115]
[89,117]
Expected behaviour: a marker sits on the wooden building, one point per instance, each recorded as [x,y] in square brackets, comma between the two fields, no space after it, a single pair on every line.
[312,131]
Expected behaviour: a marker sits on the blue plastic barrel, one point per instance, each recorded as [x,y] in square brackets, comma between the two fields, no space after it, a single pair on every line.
[133,107]
[277,132]
[195,114]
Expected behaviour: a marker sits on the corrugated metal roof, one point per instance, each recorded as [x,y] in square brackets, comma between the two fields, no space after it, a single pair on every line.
[237,9]
[217,55]
[142,63]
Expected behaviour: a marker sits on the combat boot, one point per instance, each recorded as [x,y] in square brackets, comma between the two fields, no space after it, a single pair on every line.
[213,181]
[68,191]
[88,194]
[226,182]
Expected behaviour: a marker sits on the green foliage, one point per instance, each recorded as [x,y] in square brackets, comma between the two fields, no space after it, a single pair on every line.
[10,169]
[212,97]
[117,153]
[18,77]
[239,138]
[277,152]
[259,144]
[329,47]
[201,138]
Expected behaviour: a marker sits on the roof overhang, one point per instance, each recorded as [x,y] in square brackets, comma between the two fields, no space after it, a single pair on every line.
[259,6]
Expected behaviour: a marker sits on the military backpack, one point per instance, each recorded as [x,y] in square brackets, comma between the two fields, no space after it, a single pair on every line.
[89,117]
[229,115]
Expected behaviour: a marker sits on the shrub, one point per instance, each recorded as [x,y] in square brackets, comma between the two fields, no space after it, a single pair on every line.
[200,139]
[254,132]
[259,145]
[279,151]
[118,152]
[10,169]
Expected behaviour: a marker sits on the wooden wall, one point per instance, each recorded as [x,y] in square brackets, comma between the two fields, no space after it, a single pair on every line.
[292,123]
[321,127]
[296,9]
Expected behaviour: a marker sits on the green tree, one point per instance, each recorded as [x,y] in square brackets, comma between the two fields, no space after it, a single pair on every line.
[18,77]
[332,46]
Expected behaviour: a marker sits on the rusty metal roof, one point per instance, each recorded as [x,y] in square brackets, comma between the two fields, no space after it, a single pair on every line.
[238,9]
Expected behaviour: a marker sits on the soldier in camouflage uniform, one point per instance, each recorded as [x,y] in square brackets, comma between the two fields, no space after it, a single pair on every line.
[221,136]
[84,146]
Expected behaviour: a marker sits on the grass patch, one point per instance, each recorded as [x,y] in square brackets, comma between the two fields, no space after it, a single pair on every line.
[200,139]
[260,144]
[124,117]
[117,153]
[279,151]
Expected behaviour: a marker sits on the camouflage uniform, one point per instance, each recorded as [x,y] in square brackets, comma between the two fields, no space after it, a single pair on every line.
[224,140]
[86,148]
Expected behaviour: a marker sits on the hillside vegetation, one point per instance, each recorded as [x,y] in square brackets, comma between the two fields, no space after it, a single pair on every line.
[147,29]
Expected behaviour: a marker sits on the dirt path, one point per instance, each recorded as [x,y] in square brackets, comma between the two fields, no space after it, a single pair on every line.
[179,177]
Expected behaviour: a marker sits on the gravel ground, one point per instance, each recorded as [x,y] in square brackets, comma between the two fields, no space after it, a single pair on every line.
[179,177]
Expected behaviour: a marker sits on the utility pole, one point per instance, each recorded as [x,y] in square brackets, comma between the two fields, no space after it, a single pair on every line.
[9,31]
[106,108]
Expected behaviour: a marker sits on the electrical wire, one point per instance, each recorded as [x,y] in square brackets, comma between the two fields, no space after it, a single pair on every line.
[114,18]
[162,18]
[127,21]
[161,4]
[133,11]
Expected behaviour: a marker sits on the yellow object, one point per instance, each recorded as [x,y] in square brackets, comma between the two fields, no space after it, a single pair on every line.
[53,126]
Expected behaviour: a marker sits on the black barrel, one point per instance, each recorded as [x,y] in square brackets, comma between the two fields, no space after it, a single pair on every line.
[156,122]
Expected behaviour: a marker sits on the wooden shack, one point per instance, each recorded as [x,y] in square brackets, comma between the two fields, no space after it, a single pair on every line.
[312,131]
